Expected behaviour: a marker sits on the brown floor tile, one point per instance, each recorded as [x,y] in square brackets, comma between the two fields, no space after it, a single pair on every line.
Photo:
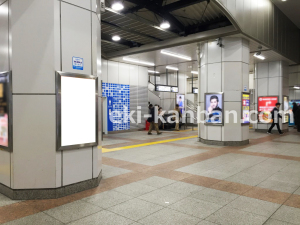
[231,187]
[16,211]
[270,155]
[267,195]
[173,175]
[201,181]
[293,201]
[114,162]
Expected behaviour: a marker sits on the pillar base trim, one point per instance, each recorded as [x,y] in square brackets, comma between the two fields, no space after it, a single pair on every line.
[224,143]
[50,193]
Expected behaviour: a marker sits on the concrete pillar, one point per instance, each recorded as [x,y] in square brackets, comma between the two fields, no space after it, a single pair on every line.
[224,69]
[44,36]
[271,79]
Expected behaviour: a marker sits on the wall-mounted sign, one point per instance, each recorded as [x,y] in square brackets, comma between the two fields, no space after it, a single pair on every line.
[245,108]
[214,103]
[77,63]
[77,110]
[174,89]
[265,105]
[195,90]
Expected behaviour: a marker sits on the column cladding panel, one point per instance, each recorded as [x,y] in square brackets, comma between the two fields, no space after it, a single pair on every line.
[76,38]
[4,62]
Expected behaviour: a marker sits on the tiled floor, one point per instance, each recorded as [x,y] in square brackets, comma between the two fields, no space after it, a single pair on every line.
[180,182]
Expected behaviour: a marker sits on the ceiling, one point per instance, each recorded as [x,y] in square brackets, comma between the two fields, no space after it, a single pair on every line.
[291,9]
[161,61]
[138,23]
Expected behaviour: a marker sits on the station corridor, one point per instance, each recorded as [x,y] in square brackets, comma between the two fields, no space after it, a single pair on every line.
[173,179]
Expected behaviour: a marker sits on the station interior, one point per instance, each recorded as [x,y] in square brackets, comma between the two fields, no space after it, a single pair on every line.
[179,112]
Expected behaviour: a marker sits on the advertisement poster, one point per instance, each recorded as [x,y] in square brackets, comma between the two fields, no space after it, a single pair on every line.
[3,112]
[180,102]
[291,119]
[214,108]
[285,118]
[265,106]
[246,108]
[110,126]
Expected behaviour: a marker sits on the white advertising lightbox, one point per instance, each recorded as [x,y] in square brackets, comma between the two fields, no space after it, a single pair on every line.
[77,110]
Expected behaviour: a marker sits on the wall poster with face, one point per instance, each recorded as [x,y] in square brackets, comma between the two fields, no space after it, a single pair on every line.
[214,108]
[180,102]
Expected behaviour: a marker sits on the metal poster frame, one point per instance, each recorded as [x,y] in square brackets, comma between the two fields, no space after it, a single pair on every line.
[258,122]
[8,148]
[214,124]
[247,93]
[58,76]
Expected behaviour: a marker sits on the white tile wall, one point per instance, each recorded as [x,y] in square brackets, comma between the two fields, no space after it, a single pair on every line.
[104,69]
[112,72]
[214,77]
[77,165]
[214,52]
[81,3]
[232,71]
[232,52]
[5,168]
[76,37]
[134,75]
[34,129]
[33,45]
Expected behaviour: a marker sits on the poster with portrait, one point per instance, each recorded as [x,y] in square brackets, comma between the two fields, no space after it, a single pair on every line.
[214,108]
[285,117]
[180,101]
[245,108]
[4,111]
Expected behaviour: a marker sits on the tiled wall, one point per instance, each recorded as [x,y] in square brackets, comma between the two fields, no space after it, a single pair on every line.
[121,103]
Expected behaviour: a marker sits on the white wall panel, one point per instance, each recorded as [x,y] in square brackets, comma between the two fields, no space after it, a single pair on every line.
[275,69]
[124,73]
[134,75]
[95,162]
[214,133]
[33,46]
[232,129]
[232,71]
[76,37]
[4,66]
[232,96]
[58,172]
[104,69]
[203,82]
[214,77]
[203,54]
[262,87]
[274,88]
[34,130]
[94,5]
[112,72]
[95,29]
[214,52]
[143,76]
[5,168]
[81,3]
[245,77]
[77,165]
[245,133]
[232,50]
[262,70]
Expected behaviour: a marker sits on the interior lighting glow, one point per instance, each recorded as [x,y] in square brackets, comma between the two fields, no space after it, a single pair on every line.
[152,71]
[194,72]
[172,68]
[138,61]
[175,55]
[165,25]
[259,56]
[117,6]
[116,38]
[297,87]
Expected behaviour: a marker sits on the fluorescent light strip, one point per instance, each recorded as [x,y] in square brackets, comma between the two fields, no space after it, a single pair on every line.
[175,55]
[151,71]
[138,61]
[172,68]
[260,57]
[194,72]
[297,87]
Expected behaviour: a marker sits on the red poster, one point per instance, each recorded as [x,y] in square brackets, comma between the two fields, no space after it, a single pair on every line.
[265,106]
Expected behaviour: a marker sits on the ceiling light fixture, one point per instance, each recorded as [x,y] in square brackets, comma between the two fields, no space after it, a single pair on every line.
[117,6]
[259,56]
[172,68]
[297,87]
[165,25]
[138,61]
[116,38]
[152,71]
[194,72]
[175,55]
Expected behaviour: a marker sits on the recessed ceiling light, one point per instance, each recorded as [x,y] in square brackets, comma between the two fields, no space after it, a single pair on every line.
[117,6]
[259,56]
[138,61]
[152,71]
[172,68]
[194,72]
[176,55]
[116,38]
[165,25]
[283,0]
[297,87]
